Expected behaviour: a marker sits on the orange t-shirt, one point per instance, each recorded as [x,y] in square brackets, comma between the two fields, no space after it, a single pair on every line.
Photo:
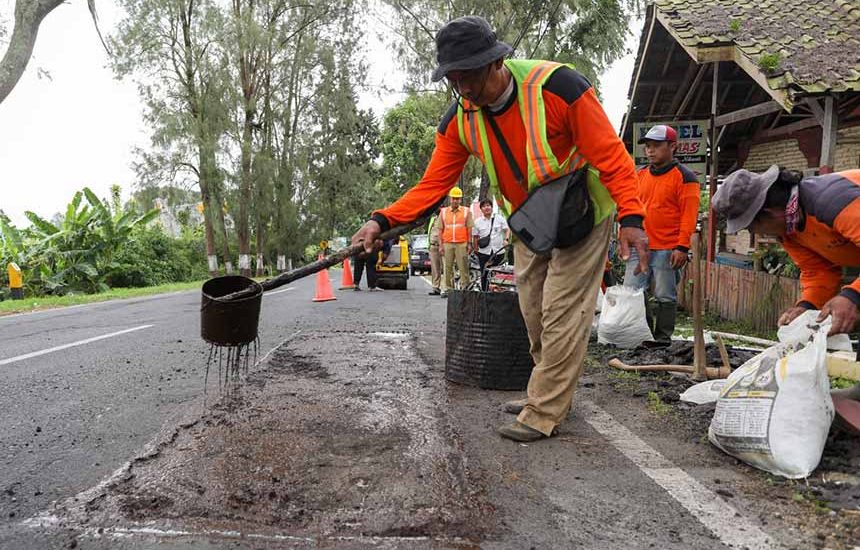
[671,197]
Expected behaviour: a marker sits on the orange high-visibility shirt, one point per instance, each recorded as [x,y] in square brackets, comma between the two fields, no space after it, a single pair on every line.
[829,238]
[455,225]
[574,117]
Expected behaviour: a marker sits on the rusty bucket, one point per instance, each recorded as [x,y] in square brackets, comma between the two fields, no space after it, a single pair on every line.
[230,322]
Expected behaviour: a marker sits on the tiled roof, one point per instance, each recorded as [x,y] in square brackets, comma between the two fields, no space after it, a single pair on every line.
[810,45]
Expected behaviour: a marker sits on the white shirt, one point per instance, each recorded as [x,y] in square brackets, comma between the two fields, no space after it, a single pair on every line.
[482,229]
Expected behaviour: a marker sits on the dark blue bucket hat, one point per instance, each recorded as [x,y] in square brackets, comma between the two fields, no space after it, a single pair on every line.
[467,43]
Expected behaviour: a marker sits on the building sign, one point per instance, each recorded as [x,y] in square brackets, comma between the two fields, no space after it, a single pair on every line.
[692,147]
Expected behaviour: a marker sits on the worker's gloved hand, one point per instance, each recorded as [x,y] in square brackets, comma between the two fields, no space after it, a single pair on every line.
[634,237]
[844,312]
[368,235]
[678,259]
[790,315]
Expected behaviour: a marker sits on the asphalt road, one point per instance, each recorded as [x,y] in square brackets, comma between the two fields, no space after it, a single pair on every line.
[130,373]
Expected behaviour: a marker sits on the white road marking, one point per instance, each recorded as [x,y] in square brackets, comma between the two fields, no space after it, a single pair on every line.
[279,291]
[426,280]
[712,511]
[71,345]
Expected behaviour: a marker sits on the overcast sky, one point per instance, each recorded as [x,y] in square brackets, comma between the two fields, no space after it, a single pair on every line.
[78,127]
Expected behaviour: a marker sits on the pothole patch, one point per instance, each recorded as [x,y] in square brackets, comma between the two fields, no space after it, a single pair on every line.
[338,436]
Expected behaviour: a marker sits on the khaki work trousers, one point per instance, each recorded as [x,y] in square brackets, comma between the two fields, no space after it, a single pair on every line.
[457,252]
[436,266]
[557,299]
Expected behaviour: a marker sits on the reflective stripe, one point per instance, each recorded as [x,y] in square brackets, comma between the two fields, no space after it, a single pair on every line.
[538,156]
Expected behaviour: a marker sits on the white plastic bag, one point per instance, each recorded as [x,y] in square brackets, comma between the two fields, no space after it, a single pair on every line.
[775,411]
[703,392]
[622,320]
[802,329]
[599,306]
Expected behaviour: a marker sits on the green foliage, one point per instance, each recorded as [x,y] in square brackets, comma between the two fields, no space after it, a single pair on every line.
[656,405]
[735,25]
[770,62]
[408,134]
[96,244]
[776,261]
[590,35]
[152,258]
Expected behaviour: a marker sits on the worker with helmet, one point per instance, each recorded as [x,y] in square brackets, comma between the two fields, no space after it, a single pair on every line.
[455,224]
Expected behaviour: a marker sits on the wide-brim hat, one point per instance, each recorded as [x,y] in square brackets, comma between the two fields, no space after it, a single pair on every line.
[742,195]
[467,43]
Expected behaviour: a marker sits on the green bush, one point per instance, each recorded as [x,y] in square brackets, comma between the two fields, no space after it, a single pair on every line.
[153,258]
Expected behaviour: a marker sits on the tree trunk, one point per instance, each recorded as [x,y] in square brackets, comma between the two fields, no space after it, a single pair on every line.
[242,224]
[28,17]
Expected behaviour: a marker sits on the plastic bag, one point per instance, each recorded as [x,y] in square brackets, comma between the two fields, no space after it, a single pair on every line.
[803,328]
[599,306]
[703,392]
[622,319]
[775,410]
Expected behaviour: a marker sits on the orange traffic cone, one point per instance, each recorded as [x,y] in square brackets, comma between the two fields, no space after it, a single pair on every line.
[346,281]
[324,293]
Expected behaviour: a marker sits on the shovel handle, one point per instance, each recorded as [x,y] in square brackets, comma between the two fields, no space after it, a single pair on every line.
[323,263]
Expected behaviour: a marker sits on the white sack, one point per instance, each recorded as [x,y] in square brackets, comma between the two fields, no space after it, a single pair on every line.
[622,321]
[703,392]
[802,329]
[775,411]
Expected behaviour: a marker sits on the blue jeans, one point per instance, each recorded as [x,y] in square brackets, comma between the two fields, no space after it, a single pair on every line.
[661,281]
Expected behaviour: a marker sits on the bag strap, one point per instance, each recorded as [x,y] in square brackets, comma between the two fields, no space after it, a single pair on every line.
[515,168]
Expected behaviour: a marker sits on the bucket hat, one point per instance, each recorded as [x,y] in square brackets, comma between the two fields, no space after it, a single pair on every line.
[742,195]
[467,43]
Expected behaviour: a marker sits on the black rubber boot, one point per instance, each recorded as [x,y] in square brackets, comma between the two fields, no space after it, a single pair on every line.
[664,321]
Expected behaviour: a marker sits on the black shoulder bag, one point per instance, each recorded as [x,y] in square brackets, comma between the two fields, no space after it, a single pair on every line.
[557,214]
[484,242]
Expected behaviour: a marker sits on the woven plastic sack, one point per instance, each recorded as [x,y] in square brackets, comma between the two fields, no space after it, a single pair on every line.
[804,327]
[775,410]
[622,318]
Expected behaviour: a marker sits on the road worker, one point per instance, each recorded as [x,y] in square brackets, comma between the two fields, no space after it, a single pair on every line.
[670,193]
[455,225]
[532,124]
[817,219]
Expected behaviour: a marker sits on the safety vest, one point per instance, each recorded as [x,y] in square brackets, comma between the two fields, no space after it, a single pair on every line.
[543,166]
[455,230]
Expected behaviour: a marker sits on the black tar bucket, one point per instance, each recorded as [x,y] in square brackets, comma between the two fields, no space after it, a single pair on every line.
[486,341]
[233,322]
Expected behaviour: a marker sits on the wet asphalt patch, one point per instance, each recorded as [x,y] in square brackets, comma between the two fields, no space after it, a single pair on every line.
[350,448]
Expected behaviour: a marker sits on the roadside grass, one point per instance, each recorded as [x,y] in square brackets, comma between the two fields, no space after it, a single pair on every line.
[8,307]
[713,322]
[657,405]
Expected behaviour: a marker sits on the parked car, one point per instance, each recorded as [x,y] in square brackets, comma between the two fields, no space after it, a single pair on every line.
[419,257]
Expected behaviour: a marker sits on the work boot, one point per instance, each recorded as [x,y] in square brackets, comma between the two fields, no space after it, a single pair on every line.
[434,292]
[444,294]
[520,432]
[664,321]
[515,406]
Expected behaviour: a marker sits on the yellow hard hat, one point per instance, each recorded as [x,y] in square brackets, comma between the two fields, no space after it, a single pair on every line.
[456,193]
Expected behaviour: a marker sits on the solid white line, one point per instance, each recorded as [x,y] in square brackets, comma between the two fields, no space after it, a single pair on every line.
[71,345]
[705,505]
[426,280]
[279,291]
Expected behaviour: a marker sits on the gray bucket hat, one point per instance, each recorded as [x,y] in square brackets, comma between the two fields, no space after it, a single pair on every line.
[742,195]
[467,43]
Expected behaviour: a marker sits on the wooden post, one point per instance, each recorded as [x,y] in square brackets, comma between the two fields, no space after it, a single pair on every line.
[699,358]
[712,183]
[828,135]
